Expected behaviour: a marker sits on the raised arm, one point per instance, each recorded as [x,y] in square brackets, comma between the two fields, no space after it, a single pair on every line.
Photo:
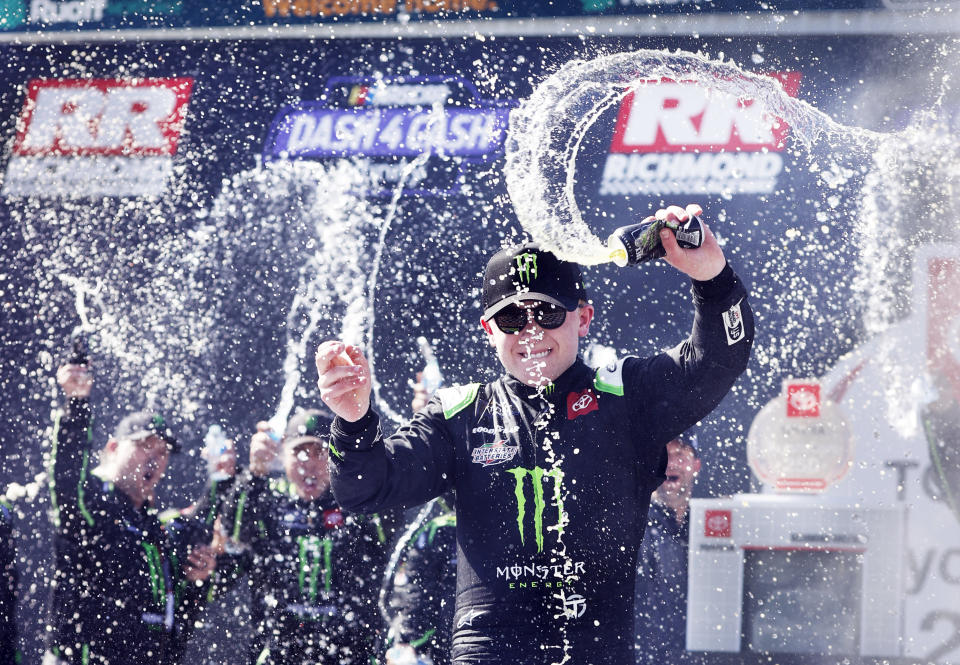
[679,387]
[371,472]
[70,455]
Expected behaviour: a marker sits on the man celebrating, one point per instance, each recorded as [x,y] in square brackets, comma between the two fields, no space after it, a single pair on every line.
[119,595]
[313,569]
[661,602]
[554,463]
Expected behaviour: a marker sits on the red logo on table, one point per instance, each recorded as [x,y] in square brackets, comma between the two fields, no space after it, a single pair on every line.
[332,519]
[803,400]
[717,523]
[582,403]
[97,137]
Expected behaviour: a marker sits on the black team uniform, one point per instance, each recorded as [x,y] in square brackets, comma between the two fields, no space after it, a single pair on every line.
[552,485]
[314,574]
[422,587]
[119,596]
[9,654]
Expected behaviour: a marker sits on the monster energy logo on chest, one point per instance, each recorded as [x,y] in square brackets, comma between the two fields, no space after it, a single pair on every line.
[314,555]
[536,475]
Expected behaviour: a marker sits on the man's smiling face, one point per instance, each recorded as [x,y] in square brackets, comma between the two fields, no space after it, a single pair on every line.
[535,355]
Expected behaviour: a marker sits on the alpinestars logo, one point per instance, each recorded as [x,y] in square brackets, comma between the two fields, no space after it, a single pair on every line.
[497,452]
[536,475]
[681,137]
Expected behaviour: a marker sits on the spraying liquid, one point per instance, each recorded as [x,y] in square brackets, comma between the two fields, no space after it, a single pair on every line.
[547,129]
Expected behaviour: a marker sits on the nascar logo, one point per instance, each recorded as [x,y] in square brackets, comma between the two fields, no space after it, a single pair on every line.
[399,95]
[683,137]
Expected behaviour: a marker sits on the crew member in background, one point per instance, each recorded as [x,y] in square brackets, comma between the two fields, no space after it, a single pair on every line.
[9,654]
[661,603]
[554,463]
[120,595]
[200,524]
[421,587]
[313,569]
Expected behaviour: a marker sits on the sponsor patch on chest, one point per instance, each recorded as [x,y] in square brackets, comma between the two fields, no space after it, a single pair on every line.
[581,403]
[497,452]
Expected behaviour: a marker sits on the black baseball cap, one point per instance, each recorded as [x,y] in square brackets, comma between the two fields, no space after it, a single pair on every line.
[307,424]
[528,272]
[143,424]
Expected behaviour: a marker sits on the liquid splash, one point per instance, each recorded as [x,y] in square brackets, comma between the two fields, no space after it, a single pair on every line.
[547,130]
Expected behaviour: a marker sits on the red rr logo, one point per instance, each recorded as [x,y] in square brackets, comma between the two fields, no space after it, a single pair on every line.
[582,403]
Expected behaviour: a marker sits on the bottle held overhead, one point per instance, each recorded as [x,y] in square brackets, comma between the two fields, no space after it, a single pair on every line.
[638,243]
[79,347]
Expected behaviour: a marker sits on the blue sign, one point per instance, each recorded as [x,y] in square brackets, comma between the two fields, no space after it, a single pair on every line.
[391,121]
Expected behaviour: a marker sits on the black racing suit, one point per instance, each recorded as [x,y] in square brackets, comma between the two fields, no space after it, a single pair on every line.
[422,587]
[552,485]
[314,573]
[119,595]
[9,579]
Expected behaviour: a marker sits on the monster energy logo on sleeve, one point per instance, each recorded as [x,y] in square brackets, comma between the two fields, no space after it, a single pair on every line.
[315,554]
[526,266]
[537,475]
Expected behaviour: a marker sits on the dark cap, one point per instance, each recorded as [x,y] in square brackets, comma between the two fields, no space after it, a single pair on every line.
[307,424]
[528,272]
[689,441]
[143,424]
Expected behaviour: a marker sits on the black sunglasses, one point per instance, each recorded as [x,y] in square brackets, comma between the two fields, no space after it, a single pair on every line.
[513,318]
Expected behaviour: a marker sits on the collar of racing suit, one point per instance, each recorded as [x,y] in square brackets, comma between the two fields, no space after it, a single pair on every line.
[571,378]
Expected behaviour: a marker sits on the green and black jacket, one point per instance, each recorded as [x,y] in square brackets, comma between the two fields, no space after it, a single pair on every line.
[314,572]
[422,586]
[119,595]
[552,485]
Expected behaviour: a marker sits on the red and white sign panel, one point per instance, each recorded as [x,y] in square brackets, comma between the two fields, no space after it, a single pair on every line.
[686,137]
[79,138]
[803,400]
[718,523]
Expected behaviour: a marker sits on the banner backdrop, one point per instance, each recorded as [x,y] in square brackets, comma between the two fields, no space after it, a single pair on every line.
[175,200]
[39,15]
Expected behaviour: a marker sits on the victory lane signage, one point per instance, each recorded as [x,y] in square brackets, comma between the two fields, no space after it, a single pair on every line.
[679,137]
[385,124]
[98,137]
